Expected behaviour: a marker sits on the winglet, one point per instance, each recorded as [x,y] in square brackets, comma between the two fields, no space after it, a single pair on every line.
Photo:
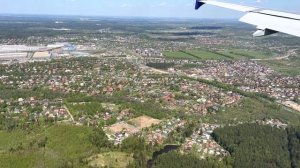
[198,4]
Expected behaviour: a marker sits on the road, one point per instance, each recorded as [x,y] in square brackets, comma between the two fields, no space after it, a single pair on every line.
[292,105]
[287,55]
[72,118]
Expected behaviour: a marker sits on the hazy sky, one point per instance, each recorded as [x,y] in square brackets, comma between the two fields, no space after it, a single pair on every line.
[143,8]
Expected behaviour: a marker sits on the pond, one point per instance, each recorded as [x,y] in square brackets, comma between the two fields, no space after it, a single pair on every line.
[166,149]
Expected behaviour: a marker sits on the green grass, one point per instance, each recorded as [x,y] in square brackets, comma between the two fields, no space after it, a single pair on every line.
[89,108]
[177,55]
[248,54]
[195,55]
[228,54]
[18,139]
[111,159]
[249,110]
[69,142]
[206,55]
[66,144]
[286,67]
[11,139]
[28,158]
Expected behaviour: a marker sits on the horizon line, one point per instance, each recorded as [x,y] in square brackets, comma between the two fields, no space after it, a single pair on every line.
[112,16]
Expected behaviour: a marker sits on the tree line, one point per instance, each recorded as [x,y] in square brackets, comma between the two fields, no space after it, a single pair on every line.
[253,145]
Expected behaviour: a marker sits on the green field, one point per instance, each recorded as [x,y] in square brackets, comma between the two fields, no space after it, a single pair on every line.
[12,140]
[177,55]
[69,142]
[15,150]
[249,110]
[195,55]
[88,108]
[64,145]
[111,159]
[247,54]
[199,54]
[28,158]
[286,67]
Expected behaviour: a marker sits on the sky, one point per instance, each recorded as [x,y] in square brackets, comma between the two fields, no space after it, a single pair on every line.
[137,8]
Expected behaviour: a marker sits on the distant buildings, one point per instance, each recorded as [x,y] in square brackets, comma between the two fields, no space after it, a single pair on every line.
[250,76]
[19,52]
[149,52]
[24,53]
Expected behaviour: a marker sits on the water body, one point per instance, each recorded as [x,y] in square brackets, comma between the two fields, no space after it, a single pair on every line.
[166,149]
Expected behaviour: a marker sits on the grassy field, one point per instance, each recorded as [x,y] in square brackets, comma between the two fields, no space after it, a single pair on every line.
[199,54]
[89,108]
[195,55]
[247,54]
[249,110]
[28,158]
[12,140]
[111,159]
[18,139]
[287,67]
[208,55]
[64,145]
[69,142]
[178,55]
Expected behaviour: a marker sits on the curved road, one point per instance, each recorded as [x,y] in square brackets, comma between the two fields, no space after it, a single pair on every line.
[287,55]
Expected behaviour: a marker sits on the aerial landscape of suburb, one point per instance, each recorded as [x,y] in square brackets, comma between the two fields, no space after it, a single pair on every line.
[134,92]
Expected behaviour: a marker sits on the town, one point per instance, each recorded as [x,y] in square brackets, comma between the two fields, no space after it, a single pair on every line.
[169,85]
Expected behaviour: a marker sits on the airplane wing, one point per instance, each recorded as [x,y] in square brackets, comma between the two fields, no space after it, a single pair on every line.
[267,21]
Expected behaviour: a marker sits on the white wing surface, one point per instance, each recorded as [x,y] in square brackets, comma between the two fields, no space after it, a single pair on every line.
[267,21]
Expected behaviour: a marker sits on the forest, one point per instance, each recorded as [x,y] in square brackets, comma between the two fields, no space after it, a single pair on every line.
[164,66]
[177,160]
[253,145]
[250,145]
[294,146]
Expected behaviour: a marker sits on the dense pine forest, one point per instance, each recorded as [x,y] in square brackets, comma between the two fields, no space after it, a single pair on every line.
[294,146]
[253,145]
[250,145]
[177,160]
